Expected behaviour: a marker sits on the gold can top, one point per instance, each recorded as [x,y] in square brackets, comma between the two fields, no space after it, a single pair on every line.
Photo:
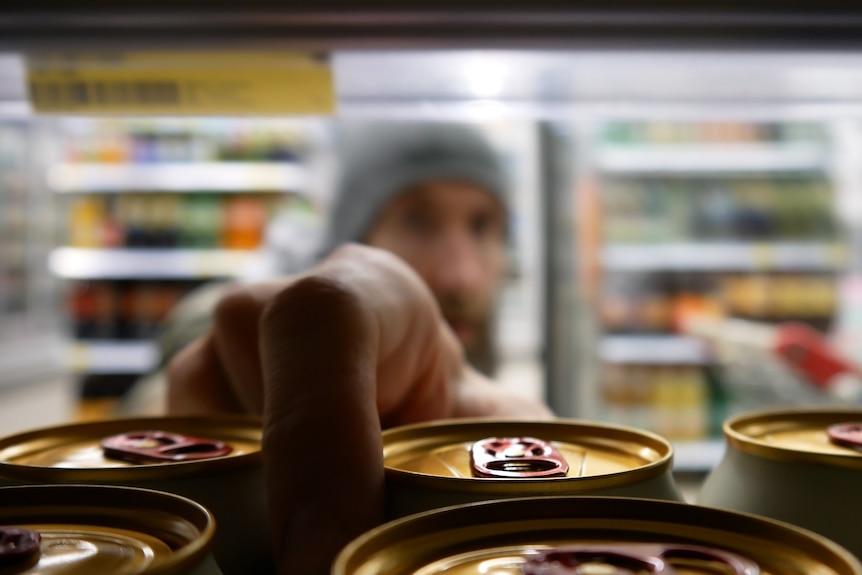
[488,452]
[85,529]
[818,435]
[139,448]
[605,534]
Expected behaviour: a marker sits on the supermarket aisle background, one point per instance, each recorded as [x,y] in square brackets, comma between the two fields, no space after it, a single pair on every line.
[38,404]
[116,219]
[722,217]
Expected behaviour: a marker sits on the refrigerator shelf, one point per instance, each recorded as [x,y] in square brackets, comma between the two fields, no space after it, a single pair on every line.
[179,177]
[146,263]
[112,356]
[721,159]
[654,350]
[741,256]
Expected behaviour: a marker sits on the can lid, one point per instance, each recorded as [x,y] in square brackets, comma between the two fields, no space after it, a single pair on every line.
[504,535]
[817,435]
[158,446]
[18,544]
[631,558]
[521,457]
[460,454]
[86,529]
[181,446]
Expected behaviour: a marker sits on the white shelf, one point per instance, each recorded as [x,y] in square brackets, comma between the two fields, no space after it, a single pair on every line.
[109,356]
[697,456]
[167,263]
[715,158]
[784,256]
[179,177]
[654,350]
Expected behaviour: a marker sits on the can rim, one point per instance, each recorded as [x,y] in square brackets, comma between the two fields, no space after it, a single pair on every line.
[542,514]
[142,472]
[536,485]
[739,439]
[80,497]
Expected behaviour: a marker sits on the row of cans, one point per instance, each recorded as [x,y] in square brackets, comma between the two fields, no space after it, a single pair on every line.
[186,496]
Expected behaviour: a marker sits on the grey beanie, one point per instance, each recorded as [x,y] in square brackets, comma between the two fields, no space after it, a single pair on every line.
[381,160]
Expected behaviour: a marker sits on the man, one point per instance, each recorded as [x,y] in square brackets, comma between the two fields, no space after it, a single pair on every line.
[433,194]
[369,337]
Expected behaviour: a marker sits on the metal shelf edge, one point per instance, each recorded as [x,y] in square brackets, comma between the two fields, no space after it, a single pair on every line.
[161,263]
[179,177]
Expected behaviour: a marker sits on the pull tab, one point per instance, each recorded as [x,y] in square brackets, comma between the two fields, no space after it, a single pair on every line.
[607,560]
[517,457]
[622,559]
[846,434]
[18,544]
[161,446]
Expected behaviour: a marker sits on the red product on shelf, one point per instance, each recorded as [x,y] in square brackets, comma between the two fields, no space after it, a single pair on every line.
[816,359]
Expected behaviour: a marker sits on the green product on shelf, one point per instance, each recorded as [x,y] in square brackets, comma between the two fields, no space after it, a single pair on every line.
[202,221]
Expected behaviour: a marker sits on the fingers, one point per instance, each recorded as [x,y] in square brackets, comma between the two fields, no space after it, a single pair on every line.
[236,322]
[417,355]
[322,444]
[221,373]
[197,384]
[357,342]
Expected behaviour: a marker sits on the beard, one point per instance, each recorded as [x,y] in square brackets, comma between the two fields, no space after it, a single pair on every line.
[479,344]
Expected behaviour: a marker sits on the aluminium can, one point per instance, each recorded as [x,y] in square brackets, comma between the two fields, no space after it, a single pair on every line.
[803,466]
[582,535]
[216,461]
[449,462]
[101,530]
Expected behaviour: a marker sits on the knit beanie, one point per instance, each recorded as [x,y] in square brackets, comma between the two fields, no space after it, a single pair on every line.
[381,160]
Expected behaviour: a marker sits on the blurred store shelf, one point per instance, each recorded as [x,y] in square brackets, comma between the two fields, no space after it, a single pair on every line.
[29,359]
[114,357]
[697,456]
[179,177]
[706,158]
[145,263]
[653,350]
[742,256]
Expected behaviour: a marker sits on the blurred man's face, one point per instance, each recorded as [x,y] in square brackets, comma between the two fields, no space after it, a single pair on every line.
[453,234]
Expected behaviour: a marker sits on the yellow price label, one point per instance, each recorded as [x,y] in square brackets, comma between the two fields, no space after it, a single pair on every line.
[166,83]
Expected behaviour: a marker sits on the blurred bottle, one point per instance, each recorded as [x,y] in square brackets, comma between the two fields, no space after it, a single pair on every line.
[86,222]
[244,223]
[143,143]
[202,218]
[165,220]
[106,310]
[692,416]
[81,309]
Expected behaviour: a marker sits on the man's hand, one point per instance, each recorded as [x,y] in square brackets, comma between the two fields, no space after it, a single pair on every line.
[329,357]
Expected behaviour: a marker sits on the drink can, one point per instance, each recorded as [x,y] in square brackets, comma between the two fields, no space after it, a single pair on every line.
[449,462]
[584,535]
[802,466]
[94,529]
[216,461]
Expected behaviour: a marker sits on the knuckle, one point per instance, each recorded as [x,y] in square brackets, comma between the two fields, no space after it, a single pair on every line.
[237,305]
[312,297]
